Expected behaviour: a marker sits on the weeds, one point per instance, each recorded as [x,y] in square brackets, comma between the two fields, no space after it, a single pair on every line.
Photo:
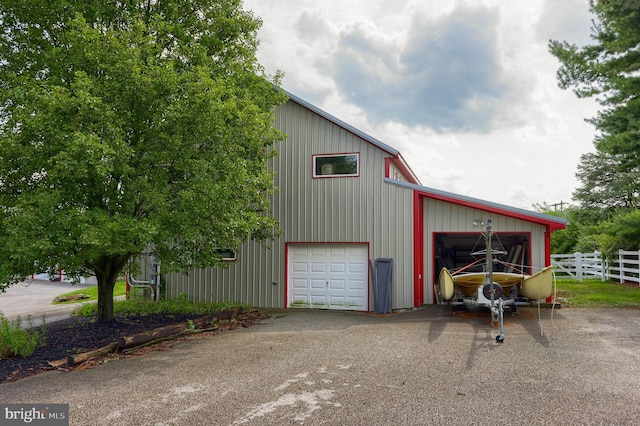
[15,340]
[181,305]
[192,326]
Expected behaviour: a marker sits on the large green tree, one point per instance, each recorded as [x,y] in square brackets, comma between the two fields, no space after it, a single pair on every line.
[128,126]
[608,69]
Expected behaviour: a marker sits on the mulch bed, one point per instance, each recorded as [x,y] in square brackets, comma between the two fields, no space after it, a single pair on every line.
[80,335]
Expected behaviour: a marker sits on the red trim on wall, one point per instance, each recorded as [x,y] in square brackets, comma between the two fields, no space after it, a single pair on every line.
[436,274]
[418,250]
[286,275]
[547,248]
[547,255]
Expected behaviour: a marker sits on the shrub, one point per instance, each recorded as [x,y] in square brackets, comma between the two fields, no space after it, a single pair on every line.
[18,341]
[180,305]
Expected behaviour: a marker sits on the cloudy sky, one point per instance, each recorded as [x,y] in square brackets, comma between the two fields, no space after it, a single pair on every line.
[464,89]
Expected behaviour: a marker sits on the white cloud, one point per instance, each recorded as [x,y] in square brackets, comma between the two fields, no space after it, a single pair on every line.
[446,75]
[465,89]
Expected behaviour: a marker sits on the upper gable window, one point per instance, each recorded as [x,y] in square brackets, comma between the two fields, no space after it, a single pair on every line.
[336,165]
[396,174]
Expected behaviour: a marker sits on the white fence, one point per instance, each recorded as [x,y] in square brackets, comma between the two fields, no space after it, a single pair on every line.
[626,268]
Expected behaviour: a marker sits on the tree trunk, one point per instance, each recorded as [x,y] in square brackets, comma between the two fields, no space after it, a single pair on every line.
[105,300]
[107,270]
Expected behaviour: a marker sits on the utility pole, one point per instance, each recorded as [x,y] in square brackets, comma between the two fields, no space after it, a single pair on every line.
[556,205]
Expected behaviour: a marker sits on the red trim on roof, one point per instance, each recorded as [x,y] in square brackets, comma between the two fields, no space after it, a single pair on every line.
[401,165]
[551,226]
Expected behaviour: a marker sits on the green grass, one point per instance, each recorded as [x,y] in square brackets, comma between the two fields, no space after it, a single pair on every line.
[593,293]
[92,292]
[169,306]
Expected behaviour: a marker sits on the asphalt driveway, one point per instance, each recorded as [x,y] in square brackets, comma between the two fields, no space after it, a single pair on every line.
[434,365]
[34,299]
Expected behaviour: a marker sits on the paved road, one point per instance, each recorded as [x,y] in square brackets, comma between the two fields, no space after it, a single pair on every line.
[434,365]
[34,299]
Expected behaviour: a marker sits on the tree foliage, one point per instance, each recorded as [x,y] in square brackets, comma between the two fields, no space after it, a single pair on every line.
[125,126]
[609,184]
[608,69]
[624,231]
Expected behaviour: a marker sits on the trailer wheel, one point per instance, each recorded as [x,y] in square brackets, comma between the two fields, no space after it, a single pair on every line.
[497,291]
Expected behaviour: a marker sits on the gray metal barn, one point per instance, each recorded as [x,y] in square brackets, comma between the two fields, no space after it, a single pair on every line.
[344,199]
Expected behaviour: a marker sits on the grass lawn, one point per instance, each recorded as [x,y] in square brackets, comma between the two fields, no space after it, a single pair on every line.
[130,307]
[92,292]
[592,293]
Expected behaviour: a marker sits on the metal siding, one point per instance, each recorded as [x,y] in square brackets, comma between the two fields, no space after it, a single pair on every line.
[361,209]
[440,216]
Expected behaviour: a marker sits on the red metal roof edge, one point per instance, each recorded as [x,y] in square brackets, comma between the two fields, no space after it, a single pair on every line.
[553,223]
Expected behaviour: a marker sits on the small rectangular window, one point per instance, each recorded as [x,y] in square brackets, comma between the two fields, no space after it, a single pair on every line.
[336,165]
[227,255]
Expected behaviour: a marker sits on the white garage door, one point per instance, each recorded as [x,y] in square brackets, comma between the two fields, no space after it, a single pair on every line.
[329,276]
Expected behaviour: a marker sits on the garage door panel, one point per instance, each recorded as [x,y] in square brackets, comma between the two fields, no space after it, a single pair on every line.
[318,267]
[337,284]
[337,302]
[319,300]
[318,251]
[358,250]
[300,267]
[318,284]
[357,303]
[300,299]
[357,268]
[357,285]
[335,267]
[329,276]
[300,284]
[337,251]
[298,251]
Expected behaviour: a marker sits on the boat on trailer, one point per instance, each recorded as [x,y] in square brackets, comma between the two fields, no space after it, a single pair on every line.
[494,290]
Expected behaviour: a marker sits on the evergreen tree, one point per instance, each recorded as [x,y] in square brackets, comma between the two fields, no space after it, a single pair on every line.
[608,69]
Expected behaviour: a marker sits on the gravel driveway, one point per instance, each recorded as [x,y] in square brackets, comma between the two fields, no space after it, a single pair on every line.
[434,365]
